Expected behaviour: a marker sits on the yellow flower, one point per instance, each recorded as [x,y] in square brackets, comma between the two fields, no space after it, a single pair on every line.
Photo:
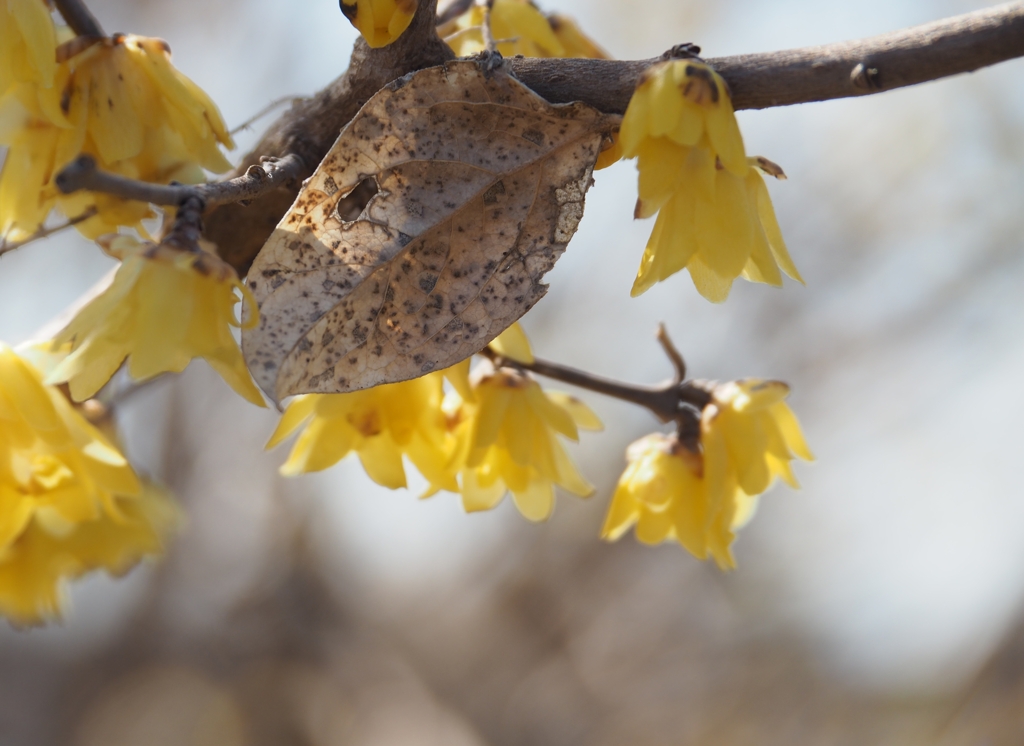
[715,216]
[163,308]
[574,42]
[120,101]
[69,501]
[379,21]
[661,491]
[517,26]
[28,44]
[34,568]
[508,441]
[699,495]
[380,424]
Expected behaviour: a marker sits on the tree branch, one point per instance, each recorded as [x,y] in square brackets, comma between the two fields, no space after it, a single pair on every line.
[853,68]
[915,55]
[271,173]
[79,18]
[674,401]
[302,136]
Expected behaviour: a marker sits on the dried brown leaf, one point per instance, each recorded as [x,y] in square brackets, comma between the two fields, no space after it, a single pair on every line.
[480,186]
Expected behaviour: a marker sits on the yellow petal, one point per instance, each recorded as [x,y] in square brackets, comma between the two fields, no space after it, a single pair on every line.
[476,496]
[551,413]
[653,528]
[790,427]
[513,344]
[724,134]
[299,410]
[666,104]
[582,415]
[622,514]
[661,166]
[766,215]
[709,283]
[536,501]
[382,460]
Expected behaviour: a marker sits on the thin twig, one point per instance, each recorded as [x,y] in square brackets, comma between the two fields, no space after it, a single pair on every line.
[266,110]
[82,173]
[672,353]
[79,18]
[44,232]
[485,26]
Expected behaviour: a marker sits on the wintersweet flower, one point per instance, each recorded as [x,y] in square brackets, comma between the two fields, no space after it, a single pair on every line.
[69,501]
[28,44]
[700,493]
[517,26]
[508,442]
[164,308]
[715,216]
[379,21]
[35,567]
[662,492]
[120,101]
[381,425]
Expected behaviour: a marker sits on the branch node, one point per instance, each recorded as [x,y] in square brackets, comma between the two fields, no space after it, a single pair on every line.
[684,51]
[865,78]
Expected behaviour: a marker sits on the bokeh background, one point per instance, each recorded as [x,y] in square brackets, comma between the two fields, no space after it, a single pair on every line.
[880,604]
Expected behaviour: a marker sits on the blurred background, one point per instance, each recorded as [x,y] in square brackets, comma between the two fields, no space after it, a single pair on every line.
[880,604]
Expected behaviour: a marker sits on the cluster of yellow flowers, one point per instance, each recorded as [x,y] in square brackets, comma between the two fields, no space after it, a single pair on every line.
[699,493]
[379,21]
[494,432]
[164,307]
[69,501]
[519,28]
[119,100]
[714,214]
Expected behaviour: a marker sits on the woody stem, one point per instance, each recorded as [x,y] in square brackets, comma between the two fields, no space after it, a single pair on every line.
[668,402]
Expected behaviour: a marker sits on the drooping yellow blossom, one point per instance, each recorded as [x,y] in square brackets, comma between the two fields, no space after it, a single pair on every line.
[748,436]
[120,101]
[69,501]
[714,214]
[379,21]
[518,28]
[164,308]
[380,424]
[34,568]
[28,44]
[508,442]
